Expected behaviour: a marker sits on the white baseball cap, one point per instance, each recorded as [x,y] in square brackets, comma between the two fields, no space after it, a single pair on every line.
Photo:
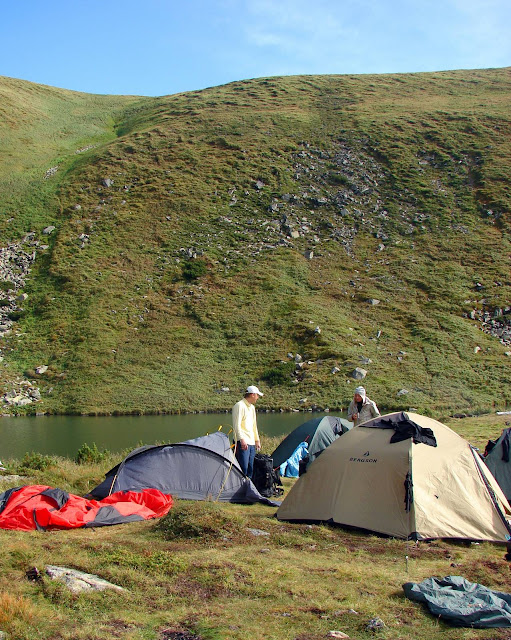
[253,389]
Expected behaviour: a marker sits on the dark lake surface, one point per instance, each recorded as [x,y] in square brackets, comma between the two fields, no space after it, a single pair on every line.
[64,435]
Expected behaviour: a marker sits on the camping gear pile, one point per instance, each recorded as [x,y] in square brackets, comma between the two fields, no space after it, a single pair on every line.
[140,487]
[265,478]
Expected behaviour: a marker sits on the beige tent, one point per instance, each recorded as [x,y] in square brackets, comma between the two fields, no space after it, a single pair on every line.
[427,483]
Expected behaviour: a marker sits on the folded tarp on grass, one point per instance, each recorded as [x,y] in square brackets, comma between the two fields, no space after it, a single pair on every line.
[462,603]
[41,507]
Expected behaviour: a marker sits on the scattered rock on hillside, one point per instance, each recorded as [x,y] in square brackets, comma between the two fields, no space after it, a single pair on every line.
[375,624]
[358,373]
[495,322]
[50,172]
[16,260]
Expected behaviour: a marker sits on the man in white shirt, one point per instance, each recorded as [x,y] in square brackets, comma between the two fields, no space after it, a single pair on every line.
[246,436]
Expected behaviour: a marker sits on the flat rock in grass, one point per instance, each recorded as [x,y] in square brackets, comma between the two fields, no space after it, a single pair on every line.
[258,532]
[337,634]
[77,581]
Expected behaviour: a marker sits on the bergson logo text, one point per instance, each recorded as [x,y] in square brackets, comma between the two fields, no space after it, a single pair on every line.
[363,459]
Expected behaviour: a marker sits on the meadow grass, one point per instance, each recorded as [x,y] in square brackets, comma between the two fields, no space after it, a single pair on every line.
[200,573]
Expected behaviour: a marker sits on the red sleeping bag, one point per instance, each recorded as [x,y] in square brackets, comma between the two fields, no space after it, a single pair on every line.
[41,507]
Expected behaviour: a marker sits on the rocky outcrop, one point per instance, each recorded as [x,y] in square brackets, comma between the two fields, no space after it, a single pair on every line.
[496,323]
[16,260]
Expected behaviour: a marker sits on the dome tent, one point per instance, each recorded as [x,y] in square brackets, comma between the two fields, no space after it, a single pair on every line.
[318,433]
[498,461]
[200,469]
[403,475]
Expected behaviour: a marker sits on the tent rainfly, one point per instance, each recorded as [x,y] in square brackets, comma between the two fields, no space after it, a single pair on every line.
[318,433]
[200,469]
[497,461]
[406,476]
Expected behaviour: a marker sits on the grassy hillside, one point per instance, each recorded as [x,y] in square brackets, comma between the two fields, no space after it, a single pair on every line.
[200,238]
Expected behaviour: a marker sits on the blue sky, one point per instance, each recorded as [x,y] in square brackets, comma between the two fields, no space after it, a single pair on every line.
[160,47]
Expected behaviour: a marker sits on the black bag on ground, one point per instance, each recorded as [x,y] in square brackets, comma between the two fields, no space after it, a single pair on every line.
[302,465]
[265,478]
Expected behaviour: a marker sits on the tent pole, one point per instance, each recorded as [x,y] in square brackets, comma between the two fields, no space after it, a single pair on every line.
[229,471]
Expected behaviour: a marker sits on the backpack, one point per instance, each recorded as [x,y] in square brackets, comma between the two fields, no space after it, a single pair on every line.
[265,478]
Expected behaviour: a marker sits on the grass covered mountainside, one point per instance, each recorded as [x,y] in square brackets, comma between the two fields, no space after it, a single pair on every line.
[201,238]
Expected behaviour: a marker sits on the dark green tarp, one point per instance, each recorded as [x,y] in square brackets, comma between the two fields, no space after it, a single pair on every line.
[462,603]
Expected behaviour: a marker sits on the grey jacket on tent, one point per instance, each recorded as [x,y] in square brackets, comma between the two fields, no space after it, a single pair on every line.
[200,469]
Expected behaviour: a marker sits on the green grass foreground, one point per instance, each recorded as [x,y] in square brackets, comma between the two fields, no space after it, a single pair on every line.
[199,574]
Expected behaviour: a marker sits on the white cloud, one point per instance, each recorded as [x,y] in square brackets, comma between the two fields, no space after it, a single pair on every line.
[353,36]
[304,32]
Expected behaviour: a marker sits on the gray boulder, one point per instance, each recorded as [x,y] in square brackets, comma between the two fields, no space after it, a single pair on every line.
[358,373]
[77,581]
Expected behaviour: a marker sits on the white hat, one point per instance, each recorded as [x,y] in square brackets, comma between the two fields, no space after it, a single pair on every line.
[253,389]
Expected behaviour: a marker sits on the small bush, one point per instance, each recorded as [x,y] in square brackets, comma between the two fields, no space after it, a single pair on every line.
[7,285]
[15,315]
[279,375]
[193,269]
[89,454]
[36,461]
[204,520]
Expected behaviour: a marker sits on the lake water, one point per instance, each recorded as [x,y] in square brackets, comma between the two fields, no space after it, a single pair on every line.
[64,435]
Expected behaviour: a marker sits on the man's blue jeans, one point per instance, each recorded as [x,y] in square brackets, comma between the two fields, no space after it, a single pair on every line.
[246,458]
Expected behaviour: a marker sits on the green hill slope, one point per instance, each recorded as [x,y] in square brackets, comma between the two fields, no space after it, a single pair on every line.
[203,239]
